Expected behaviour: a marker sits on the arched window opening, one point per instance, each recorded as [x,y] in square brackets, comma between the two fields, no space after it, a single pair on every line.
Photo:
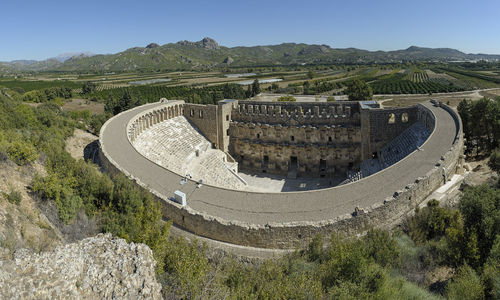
[404,118]
[392,119]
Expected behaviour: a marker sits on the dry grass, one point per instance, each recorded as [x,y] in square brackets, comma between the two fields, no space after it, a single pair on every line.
[22,225]
[491,93]
[82,104]
[433,75]
[76,144]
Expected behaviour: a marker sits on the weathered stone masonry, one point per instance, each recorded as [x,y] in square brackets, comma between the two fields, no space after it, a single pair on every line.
[316,139]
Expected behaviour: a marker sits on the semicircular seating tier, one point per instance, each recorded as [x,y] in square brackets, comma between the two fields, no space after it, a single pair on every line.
[177,145]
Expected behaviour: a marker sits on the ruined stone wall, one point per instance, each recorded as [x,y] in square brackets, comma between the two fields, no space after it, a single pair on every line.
[204,117]
[313,160]
[224,111]
[382,125]
[320,151]
[320,138]
[298,113]
[335,136]
[269,135]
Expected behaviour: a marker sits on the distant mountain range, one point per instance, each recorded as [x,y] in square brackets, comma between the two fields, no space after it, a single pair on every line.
[207,53]
[65,56]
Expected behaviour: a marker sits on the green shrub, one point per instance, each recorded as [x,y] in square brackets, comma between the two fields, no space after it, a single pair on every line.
[133,215]
[399,288]
[287,278]
[381,247]
[287,98]
[465,285]
[22,152]
[430,222]
[315,249]
[494,162]
[52,188]
[491,272]
[13,197]
[189,264]
[68,206]
[480,207]
[3,156]
[97,121]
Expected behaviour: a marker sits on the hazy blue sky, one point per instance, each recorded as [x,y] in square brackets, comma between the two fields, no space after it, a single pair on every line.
[44,28]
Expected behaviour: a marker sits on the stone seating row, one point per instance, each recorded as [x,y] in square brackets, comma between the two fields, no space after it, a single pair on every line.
[404,144]
[213,169]
[397,149]
[178,146]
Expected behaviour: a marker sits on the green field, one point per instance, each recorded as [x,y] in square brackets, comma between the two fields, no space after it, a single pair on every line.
[22,86]
[208,87]
[400,84]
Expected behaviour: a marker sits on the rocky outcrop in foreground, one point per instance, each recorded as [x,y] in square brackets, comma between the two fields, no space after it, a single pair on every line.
[100,267]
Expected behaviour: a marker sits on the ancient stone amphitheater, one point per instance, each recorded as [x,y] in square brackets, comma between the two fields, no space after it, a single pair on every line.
[275,174]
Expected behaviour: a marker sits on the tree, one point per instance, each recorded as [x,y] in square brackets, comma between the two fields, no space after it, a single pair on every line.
[307,86]
[248,92]
[124,103]
[465,285]
[255,87]
[311,74]
[480,207]
[380,246]
[494,162]
[89,87]
[359,90]
[491,272]
[464,110]
[315,249]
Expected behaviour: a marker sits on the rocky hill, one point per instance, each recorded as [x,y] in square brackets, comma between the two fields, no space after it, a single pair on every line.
[207,53]
[100,267]
[206,43]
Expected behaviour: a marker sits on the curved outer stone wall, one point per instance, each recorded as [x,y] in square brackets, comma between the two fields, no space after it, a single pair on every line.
[382,213]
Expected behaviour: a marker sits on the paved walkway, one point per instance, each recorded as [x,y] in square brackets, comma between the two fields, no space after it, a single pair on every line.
[263,208]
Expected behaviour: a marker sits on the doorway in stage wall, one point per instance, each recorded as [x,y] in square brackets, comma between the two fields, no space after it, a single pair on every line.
[292,170]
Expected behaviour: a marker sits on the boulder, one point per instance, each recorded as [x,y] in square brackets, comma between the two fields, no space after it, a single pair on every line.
[94,268]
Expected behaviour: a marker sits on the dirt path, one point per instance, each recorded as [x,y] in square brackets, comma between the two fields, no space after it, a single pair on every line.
[78,144]
[480,172]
